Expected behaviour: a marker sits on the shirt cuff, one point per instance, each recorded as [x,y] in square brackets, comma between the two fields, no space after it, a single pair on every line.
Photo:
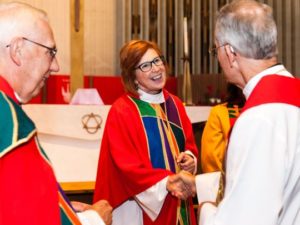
[90,217]
[152,199]
[207,186]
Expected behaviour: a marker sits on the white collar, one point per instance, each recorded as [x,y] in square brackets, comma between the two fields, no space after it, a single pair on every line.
[18,97]
[278,69]
[151,98]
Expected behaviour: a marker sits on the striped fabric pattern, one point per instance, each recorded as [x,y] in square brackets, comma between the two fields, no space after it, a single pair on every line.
[22,129]
[233,112]
[165,138]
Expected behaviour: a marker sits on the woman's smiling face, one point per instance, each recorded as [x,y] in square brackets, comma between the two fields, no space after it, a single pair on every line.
[154,80]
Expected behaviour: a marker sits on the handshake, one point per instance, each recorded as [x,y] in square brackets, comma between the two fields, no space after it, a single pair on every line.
[182,185]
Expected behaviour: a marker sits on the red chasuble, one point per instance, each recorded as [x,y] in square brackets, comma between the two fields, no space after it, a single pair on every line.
[131,158]
[29,193]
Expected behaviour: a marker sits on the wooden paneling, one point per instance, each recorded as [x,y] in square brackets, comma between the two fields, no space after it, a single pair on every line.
[77,44]
[101,27]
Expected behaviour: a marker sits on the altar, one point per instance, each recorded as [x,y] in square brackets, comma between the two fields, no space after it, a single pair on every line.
[71,136]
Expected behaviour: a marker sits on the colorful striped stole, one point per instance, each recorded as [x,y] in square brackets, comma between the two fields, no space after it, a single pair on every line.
[165,138]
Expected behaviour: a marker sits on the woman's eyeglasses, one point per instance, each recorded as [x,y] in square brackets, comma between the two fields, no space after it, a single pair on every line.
[147,66]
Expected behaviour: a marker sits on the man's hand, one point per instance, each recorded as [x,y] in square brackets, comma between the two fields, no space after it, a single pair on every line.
[189,180]
[186,162]
[80,206]
[102,207]
[182,185]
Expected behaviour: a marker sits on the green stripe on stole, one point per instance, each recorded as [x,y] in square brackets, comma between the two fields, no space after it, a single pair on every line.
[65,220]
[6,119]
[144,108]
[15,125]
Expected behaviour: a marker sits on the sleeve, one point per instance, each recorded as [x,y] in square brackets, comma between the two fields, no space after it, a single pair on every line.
[255,170]
[124,160]
[90,217]
[25,167]
[214,139]
[207,186]
[152,199]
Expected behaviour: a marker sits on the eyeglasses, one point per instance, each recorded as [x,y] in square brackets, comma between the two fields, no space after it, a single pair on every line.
[214,50]
[52,51]
[147,66]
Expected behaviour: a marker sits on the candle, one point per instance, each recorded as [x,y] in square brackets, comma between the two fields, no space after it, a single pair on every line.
[185,37]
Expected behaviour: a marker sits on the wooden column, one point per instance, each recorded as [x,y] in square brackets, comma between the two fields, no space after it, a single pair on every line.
[77,44]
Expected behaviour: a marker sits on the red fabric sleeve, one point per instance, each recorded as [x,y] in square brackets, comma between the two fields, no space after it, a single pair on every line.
[27,196]
[124,168]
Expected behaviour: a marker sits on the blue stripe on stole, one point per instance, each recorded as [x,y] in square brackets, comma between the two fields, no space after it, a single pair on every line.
[155,143]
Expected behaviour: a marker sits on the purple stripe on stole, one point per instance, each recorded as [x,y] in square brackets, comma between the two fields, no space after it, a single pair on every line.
[63,194]
[172,112]
[168,150]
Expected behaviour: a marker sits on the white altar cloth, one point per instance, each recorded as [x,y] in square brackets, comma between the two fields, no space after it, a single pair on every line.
[72,150]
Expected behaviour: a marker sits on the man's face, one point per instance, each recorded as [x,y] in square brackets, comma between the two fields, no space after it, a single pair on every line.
[227,59]
[38,62]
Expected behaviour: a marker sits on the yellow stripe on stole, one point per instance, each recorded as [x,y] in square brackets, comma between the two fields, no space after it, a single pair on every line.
[173,146]
[171,138]
[15,121]
[159,114]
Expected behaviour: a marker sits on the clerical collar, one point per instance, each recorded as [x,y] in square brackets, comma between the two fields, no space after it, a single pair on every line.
[18,98]
[275,69]
[151,98]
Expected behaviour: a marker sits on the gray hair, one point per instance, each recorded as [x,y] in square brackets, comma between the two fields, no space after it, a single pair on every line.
[18,19]
[249,27]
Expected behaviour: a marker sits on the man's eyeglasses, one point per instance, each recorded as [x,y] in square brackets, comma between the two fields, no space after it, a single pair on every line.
[147,66]
[214,50]
[52,51]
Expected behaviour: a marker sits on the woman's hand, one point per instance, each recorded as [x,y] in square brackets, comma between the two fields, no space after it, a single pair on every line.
[186,162]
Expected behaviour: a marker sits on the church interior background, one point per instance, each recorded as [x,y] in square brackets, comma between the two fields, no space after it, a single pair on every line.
[105,25]
[89,35]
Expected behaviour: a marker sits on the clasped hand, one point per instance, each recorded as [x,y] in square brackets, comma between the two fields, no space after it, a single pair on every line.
[186,162]
[182,185]
[102,207]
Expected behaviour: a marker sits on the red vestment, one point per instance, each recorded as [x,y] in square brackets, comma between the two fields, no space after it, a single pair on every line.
[125,168]
[29,193]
